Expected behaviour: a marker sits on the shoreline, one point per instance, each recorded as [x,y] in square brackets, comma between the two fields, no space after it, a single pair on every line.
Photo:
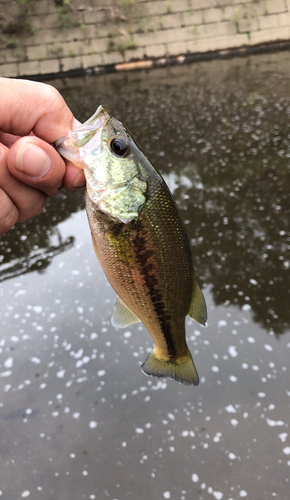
[182,59]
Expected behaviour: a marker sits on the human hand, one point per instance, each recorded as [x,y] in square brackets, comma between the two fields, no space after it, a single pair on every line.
[33,116]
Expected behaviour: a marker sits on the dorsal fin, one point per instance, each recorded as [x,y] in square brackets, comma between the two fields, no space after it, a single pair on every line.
[122,315]
[197,308]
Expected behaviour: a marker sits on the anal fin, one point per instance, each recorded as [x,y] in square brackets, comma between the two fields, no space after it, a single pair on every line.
[197,308]
[122,315]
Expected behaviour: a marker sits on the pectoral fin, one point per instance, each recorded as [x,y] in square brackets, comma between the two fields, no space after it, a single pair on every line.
[122,315]
[95,248]
[197,308]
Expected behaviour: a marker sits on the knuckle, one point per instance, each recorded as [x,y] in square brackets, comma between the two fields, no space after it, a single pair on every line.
[51,92]
[8,213]
[38,206]
[32,209]
[54,98]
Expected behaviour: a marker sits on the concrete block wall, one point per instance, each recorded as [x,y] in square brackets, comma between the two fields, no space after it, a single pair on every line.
[93,34]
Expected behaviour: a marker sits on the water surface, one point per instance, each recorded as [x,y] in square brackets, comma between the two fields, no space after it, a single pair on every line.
[78,419]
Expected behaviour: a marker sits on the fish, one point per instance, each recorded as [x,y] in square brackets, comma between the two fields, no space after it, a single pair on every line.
[140,241]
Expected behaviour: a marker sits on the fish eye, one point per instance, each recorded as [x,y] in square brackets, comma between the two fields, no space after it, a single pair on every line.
[119,147]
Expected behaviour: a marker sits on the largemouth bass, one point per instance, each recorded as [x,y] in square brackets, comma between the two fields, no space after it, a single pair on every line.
[140,241]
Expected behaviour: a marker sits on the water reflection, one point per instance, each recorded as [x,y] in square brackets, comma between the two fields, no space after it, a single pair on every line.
[31,246]
[221,140]
[78,419]
[36,258]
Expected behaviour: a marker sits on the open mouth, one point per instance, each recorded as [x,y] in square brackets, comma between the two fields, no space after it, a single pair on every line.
[83,140]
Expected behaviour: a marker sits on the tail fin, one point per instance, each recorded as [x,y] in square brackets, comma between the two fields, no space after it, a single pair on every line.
[180,369]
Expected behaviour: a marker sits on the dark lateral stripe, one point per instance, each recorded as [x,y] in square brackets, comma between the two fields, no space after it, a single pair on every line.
[144,255]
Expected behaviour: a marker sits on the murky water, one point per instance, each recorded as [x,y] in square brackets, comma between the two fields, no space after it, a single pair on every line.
[78,419]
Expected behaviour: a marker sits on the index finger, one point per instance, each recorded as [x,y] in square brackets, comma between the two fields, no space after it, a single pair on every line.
[8,139]
[32,106]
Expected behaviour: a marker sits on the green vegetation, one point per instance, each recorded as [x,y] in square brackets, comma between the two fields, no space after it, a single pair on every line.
[22,17]
[20,54]
[131,45]
[56,51]
[14,20]
[114,32]
[237,16]
[149,25]
[121,45]
[8,43]
[68,16]
[126,4]
[125,12]
[111,46]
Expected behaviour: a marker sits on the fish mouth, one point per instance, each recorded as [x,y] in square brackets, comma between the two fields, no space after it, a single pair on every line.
[87,137]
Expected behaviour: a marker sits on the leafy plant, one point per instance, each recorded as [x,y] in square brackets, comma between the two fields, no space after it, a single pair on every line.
[67,14]
[57,50]
[126,4]
[8,43]
[149,25]
[20,54]
[126,45]
[16,22]
[111,46]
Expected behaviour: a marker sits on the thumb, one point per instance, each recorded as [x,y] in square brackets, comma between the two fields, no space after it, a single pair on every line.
[37,164]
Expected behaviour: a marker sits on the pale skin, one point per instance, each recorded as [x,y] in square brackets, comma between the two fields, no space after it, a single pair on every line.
[32,117]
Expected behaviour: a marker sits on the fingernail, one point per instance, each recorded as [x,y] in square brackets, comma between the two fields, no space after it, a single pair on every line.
[32,160]
[79,180]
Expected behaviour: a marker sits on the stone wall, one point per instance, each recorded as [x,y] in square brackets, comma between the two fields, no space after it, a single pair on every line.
[55,36]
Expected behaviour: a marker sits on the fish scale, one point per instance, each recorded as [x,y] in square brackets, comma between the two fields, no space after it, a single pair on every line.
[141,243]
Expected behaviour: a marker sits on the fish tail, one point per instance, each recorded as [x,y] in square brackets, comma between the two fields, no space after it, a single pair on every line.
[180,369]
